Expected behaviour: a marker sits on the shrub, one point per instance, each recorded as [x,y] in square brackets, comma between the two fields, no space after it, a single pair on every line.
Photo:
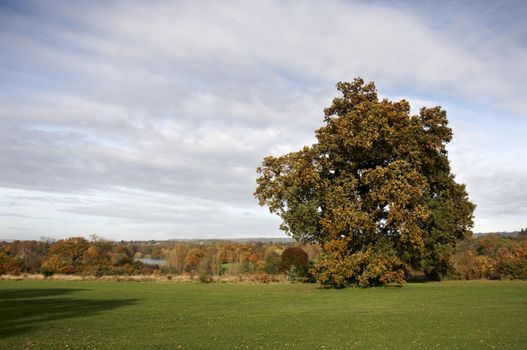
[261,278]
[13,266]
[294,259]
[468,265]
[205,277]
[47,272]
[292,274]
[513,263]
[272,262]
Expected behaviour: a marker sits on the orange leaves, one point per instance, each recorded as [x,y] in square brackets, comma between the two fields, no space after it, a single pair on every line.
[373,266]
[376,174]
[193,259]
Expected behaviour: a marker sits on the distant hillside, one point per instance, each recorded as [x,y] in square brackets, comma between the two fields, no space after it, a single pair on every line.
[240,240]
[503,234]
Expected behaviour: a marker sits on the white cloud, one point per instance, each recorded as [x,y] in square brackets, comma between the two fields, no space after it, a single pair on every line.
[184,99]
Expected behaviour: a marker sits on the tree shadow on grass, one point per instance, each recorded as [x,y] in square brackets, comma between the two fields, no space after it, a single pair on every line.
[10,294]
[25,310]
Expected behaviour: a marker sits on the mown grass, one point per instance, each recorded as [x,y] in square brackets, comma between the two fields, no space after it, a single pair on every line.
[150,315]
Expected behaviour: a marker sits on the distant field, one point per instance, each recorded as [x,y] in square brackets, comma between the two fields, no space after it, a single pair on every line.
[128,315]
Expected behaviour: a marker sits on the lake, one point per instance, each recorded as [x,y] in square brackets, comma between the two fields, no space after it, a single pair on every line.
[147,261]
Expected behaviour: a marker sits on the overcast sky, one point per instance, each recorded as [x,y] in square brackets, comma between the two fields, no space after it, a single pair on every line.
[147,120]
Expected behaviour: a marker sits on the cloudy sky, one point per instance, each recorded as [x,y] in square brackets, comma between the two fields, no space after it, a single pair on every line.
[147,120]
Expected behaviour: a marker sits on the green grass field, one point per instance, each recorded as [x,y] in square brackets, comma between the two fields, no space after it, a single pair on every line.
[148,315]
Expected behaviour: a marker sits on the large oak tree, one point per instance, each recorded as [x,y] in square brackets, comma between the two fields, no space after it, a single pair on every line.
[376,191]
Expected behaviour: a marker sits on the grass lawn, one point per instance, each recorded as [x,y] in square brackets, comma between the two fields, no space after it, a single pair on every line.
[150,315]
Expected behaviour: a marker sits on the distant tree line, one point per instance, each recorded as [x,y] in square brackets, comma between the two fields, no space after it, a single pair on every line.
[490,256]
[99,257]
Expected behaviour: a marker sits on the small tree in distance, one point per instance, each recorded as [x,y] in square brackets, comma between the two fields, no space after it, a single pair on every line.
[376,191]
[294,257]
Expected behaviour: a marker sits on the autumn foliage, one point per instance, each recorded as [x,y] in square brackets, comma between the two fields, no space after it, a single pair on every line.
[99,257]
[294,257]
[375,191]
[490,256]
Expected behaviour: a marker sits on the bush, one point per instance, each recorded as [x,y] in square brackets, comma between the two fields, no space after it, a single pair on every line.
[205,277]
[13,266]
[47,272]
[513,263]
[469,265]
[261,278]
[292,274]
[294,259]
[272,262]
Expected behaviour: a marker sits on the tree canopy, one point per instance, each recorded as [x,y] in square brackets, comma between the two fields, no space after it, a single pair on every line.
[375,190]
